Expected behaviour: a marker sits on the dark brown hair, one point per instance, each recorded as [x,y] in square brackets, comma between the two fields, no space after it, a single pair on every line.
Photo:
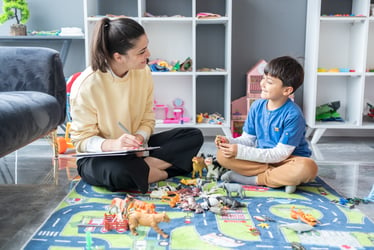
[288,70]
[111,36]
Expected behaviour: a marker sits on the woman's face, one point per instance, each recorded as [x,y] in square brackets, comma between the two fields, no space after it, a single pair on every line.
[136,58]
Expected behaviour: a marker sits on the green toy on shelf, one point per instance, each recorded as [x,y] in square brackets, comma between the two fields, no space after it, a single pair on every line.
[328,112]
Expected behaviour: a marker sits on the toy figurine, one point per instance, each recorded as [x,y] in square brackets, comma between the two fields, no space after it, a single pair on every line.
[371,110]
[198,165]
[188,203]
[141,206]
[172,197]
[189,182]
[214,171]
[232,187]
[328,112]
[117,208]
[298,227]
[230,202]
[370,197]
[64,143]
[300,215]
[149,220]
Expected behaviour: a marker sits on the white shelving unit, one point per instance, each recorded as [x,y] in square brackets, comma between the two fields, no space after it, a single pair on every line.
[175,33]
[339,41]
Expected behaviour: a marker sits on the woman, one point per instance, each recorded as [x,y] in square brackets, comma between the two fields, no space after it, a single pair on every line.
[118,88]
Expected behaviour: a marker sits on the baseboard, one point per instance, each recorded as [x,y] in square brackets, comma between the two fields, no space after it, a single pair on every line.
[350,132]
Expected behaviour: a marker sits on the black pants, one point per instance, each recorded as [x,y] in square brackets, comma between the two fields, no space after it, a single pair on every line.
[178,146]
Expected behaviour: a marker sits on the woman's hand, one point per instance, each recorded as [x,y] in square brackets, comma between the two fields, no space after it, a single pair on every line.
[228,150]
[141,139]
[124,142]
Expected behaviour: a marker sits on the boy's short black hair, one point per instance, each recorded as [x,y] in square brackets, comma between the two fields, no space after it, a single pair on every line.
[287,69]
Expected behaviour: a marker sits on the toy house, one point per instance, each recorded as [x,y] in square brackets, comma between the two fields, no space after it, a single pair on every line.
[240,106]
[254,76]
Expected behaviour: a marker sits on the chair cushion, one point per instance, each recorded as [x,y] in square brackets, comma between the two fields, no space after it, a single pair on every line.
[26,116]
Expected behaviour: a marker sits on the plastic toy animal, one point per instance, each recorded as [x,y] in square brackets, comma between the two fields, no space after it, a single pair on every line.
[300,215]
[149,220]
[188,203]
[198,165]
[231,188]
[189,182]
[172,197]
[117,208]
[230,202]
[298,227]
[141,206]
[214,170]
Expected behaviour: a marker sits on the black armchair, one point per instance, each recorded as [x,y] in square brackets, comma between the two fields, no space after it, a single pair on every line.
[32,96]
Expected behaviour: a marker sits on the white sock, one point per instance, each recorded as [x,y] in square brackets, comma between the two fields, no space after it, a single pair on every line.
[232,176]
[290,189]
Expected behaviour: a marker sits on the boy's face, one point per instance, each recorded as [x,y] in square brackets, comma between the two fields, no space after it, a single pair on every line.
[273,89]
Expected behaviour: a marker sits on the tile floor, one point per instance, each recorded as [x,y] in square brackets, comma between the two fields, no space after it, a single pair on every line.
[347,164]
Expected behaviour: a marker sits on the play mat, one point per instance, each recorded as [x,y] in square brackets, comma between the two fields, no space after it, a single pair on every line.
[263,219]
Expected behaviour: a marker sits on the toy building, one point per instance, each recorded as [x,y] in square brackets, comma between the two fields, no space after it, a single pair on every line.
[240,106]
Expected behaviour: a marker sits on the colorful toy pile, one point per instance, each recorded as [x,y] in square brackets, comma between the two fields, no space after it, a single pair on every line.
[214,118]
[159,65]
[335,70]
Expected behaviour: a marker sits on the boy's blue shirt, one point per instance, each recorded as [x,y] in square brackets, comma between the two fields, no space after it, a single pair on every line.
[284,125]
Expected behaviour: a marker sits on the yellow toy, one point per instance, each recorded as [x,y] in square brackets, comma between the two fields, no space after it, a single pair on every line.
[198,165]
[189,182]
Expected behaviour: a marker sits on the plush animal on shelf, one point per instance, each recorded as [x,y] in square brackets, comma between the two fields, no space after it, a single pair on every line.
[198,165]
[149,220]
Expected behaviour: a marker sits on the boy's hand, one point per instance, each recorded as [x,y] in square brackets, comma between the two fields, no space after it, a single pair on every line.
[228,150]
[220,139]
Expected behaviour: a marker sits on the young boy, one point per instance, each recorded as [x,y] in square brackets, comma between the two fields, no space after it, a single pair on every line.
[272,151]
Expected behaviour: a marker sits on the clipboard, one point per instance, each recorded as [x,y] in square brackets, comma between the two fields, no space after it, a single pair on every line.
[116,153]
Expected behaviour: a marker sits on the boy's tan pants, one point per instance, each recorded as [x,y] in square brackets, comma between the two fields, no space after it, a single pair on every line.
[293,171]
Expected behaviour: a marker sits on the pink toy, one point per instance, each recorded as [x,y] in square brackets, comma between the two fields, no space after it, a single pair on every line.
[178,113]
[161,111]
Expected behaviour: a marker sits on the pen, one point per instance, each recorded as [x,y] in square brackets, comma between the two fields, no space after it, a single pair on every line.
[124,128]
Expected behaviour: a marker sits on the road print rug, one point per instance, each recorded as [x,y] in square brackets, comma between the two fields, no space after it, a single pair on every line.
[261,223]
